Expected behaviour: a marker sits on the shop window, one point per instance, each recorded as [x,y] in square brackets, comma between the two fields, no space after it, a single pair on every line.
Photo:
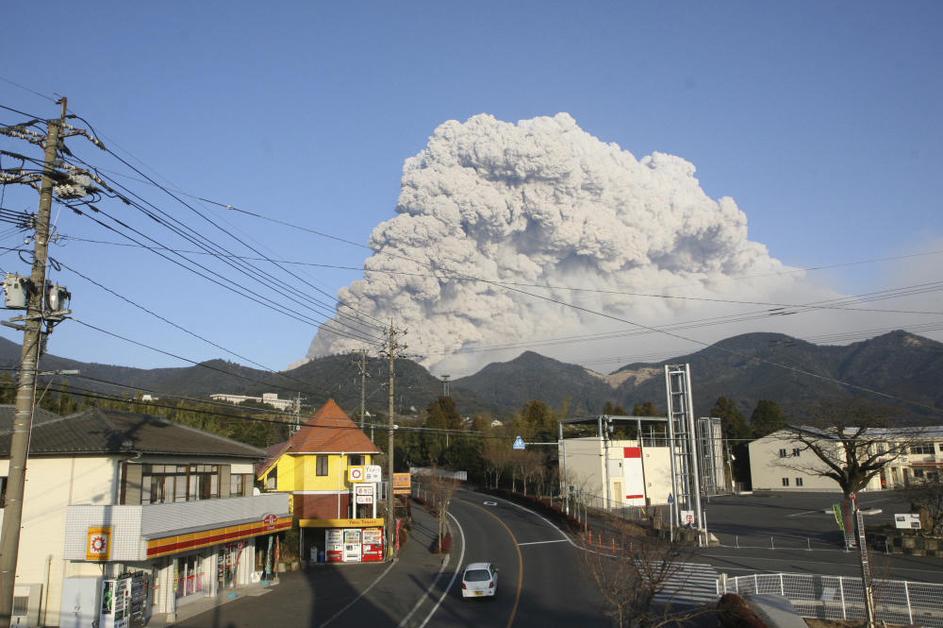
[321,470]
[190,576]
[785,481]
[355,460]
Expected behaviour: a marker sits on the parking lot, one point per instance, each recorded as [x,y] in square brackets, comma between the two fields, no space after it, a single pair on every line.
[791,520]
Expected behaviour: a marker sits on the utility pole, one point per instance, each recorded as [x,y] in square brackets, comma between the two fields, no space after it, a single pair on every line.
[392,349]
[363,385]
[26,387]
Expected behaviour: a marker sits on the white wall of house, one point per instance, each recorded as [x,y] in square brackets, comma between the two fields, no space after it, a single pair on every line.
[777,463]
[51,485]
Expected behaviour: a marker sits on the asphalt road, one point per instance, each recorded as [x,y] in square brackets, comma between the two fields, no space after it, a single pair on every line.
[540,581]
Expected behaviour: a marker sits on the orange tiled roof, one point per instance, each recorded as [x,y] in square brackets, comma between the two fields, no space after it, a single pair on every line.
[330,430]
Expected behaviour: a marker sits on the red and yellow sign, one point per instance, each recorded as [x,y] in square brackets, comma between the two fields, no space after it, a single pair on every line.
[340,523]
[98,543]
[402,484]
[195,540]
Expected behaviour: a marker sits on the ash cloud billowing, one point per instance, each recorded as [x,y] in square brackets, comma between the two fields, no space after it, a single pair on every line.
[543,202]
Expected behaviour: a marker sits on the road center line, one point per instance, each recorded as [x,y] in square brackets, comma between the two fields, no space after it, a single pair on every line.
[458,569]
[543,542]
[520,562]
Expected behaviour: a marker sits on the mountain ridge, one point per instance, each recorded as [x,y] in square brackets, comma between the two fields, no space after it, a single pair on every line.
[748,367]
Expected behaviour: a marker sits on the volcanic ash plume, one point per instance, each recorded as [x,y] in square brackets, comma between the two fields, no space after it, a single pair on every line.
[543,203]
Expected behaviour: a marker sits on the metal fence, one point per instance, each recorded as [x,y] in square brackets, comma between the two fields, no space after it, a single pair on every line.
[836,597]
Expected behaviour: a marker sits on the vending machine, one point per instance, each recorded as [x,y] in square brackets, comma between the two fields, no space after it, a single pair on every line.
[115,603]
[334,545]
[352,545]
[372,545]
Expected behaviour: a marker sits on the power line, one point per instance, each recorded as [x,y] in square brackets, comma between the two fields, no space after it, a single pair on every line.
[211,247]
[171,323]
[229,233]
[824,305]
[220,280]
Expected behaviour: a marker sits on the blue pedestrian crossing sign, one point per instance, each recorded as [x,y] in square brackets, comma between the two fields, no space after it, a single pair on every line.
[519,443]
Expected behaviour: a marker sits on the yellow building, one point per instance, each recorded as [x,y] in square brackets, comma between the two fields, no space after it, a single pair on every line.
[328,468]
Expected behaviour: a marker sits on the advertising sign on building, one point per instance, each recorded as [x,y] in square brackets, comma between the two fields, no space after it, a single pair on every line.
[98,543]
[363,493]
[355,474]
[373,473]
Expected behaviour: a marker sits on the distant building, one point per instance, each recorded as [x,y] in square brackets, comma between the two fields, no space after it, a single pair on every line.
[328,468]
[131,507]
[267,398]
[615,473]
[779,462]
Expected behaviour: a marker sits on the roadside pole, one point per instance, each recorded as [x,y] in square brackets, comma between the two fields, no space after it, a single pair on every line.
[26,387]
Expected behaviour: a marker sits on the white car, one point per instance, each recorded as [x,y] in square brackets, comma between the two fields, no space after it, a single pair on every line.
[479,580]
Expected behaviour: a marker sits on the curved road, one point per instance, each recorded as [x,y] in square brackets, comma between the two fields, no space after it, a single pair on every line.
[541,581]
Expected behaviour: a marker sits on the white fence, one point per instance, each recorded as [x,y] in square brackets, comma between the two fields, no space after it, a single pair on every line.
[834,597]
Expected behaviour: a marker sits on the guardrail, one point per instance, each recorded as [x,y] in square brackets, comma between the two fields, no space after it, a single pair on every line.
[839,597]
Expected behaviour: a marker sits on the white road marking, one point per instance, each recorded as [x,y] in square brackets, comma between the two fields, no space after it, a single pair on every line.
[461,559]
[362,593]
[490,503]
[543,542]
[422,598]
[804,513]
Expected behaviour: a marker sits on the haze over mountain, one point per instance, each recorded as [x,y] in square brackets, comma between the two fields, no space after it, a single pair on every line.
[747,368]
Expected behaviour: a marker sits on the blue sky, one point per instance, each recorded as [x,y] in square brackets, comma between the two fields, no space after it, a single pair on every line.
[821,119]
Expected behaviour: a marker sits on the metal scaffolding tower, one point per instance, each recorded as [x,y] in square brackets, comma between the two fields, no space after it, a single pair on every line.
[710,445]
[685,473]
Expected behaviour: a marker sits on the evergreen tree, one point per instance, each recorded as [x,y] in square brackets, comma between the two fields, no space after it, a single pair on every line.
[645,409]
[767,417]
[732,421]
[613,410]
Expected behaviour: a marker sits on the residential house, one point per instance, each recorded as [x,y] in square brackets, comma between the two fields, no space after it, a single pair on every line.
[328,468]
[134,511]
[780,462]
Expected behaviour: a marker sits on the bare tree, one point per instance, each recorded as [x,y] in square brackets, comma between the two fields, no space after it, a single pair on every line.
[851,455]
[441,489]
[528,465]
[636,575]
[497,454]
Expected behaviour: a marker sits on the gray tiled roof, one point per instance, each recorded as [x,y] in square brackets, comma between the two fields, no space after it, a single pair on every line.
[97,431]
